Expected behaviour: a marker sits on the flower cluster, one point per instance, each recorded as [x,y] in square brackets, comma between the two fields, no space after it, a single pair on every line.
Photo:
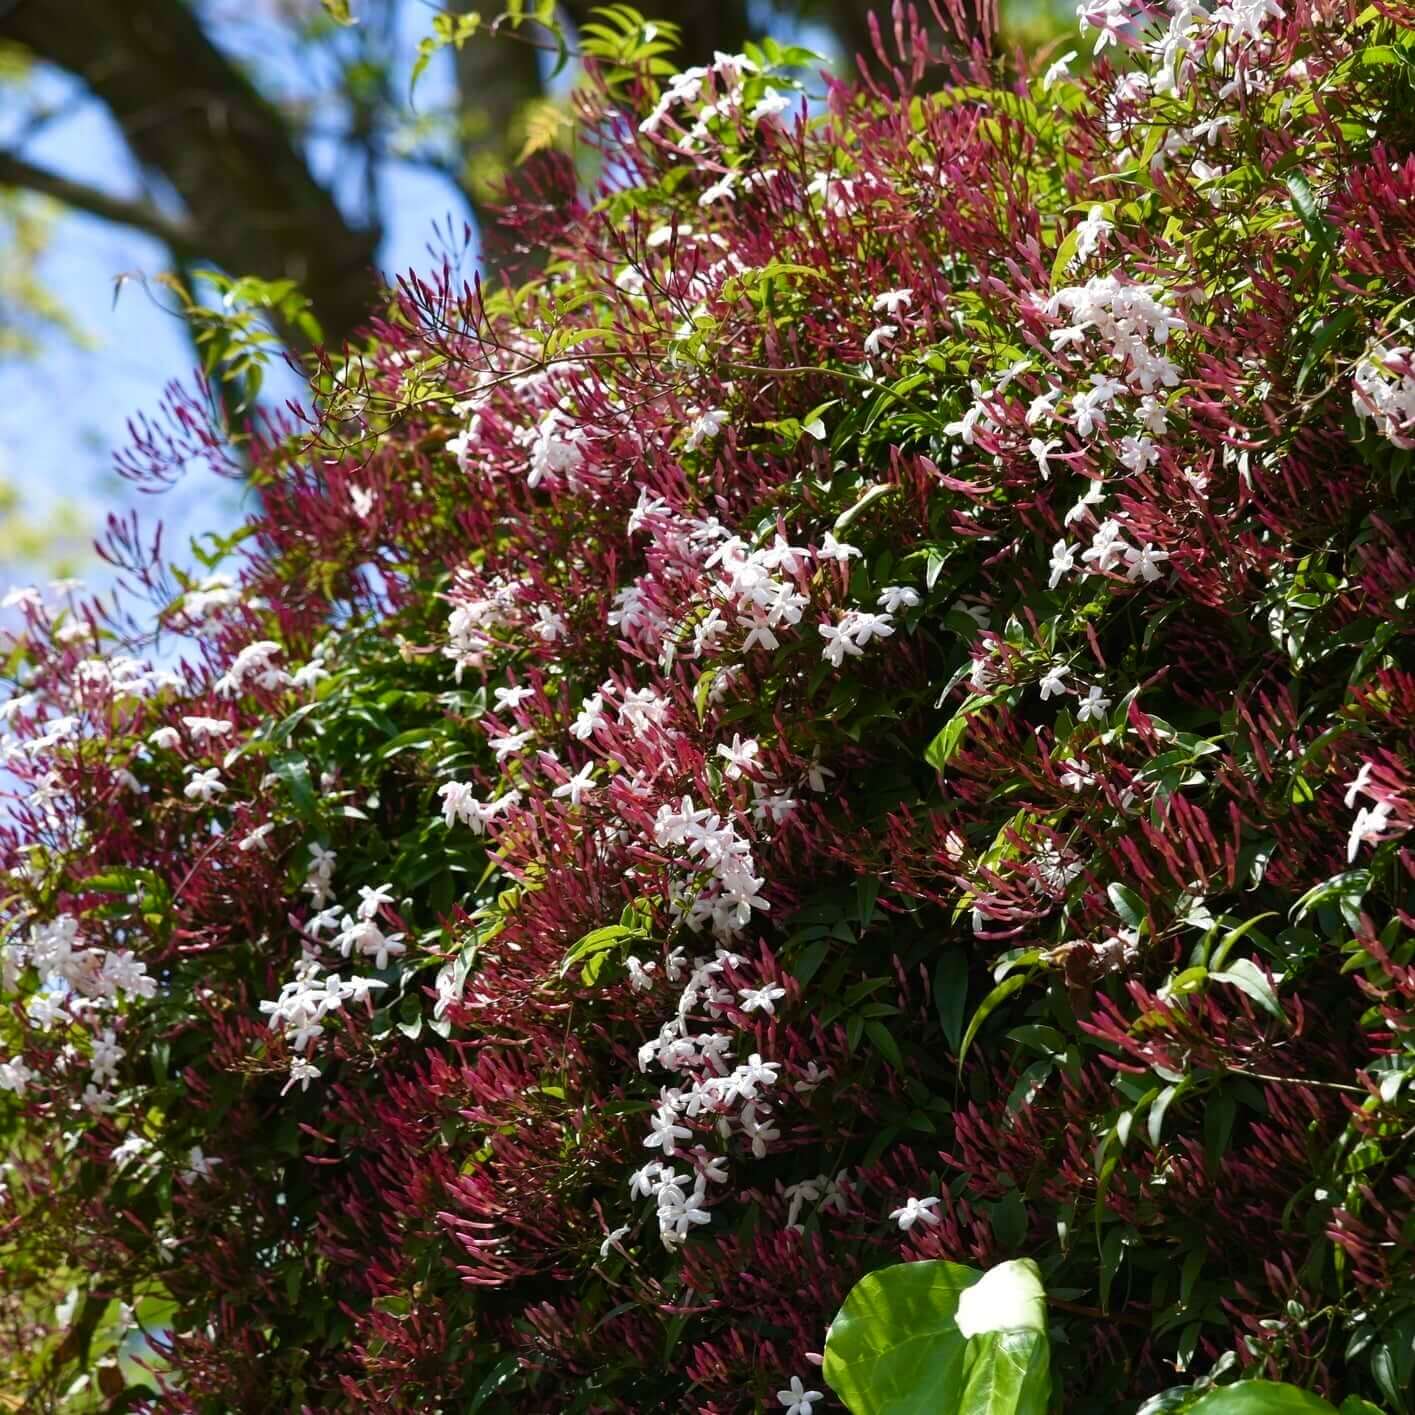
[872,717]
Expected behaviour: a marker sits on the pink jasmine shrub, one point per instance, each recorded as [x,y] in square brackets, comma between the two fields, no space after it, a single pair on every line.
[867,713]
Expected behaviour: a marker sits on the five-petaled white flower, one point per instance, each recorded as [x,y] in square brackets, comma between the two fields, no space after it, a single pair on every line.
[740,756]
[1094,705]
[362,501]
[1042,451]
[915,1211]
[199,1166]
[876,339]
[1059,70]
[832,549]
[578,786]
[1063,559]
[204,786]
[1054,681]
[1145,562]
[705,426]
[760,999]
[890,302]
[893,598]
[1370,825]
[797,1399]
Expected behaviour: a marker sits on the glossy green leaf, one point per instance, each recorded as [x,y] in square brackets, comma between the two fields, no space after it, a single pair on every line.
[596,943]
[894,1347]
[1260,1398]
[1248,978]
[1005,1373]
[945,743]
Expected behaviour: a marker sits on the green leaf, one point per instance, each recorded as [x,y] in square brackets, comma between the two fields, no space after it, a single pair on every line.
[701,691]
[1065,254]
[1127,904]
[1155,1120]
[294,772]
[951,994]
[894,1346]
[1006,1373]
[999,994]
[1323,339]
[1247,977]
[883,1041]
[875,493]
[596,943]
[495,1379]
[950,735]
[1260,1398]
[1320,230]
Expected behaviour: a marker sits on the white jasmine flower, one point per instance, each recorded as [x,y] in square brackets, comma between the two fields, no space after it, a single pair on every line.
[760,999]
[797,1399]
[740,756]
[878,337]
[612,1240]
[916,1211]
[893,598]
[362,501]
[890,302]
[1061,69]
[832,549]
[1094,706]
[578,786]
[204,786]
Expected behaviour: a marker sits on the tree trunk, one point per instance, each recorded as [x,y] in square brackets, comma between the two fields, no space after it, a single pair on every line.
[190,115]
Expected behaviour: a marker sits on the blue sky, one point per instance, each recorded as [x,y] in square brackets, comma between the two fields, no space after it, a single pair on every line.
[63,414]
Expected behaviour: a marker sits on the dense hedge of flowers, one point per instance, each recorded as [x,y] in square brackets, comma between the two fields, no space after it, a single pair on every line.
[867,713]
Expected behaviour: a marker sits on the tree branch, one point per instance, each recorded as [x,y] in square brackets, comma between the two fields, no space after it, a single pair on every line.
[192,115]
[144,216]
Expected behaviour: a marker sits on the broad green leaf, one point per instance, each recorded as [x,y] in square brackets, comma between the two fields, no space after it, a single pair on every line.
[1322,340]
[1260,1398]
[1320,230]
[1127,904]
[293,770]
[1005,1373]
[894,1347]
[950,735]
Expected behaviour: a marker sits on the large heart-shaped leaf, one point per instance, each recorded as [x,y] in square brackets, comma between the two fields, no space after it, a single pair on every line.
[895,1347]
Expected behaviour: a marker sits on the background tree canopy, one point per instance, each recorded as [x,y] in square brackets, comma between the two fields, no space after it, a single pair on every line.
[220,106]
